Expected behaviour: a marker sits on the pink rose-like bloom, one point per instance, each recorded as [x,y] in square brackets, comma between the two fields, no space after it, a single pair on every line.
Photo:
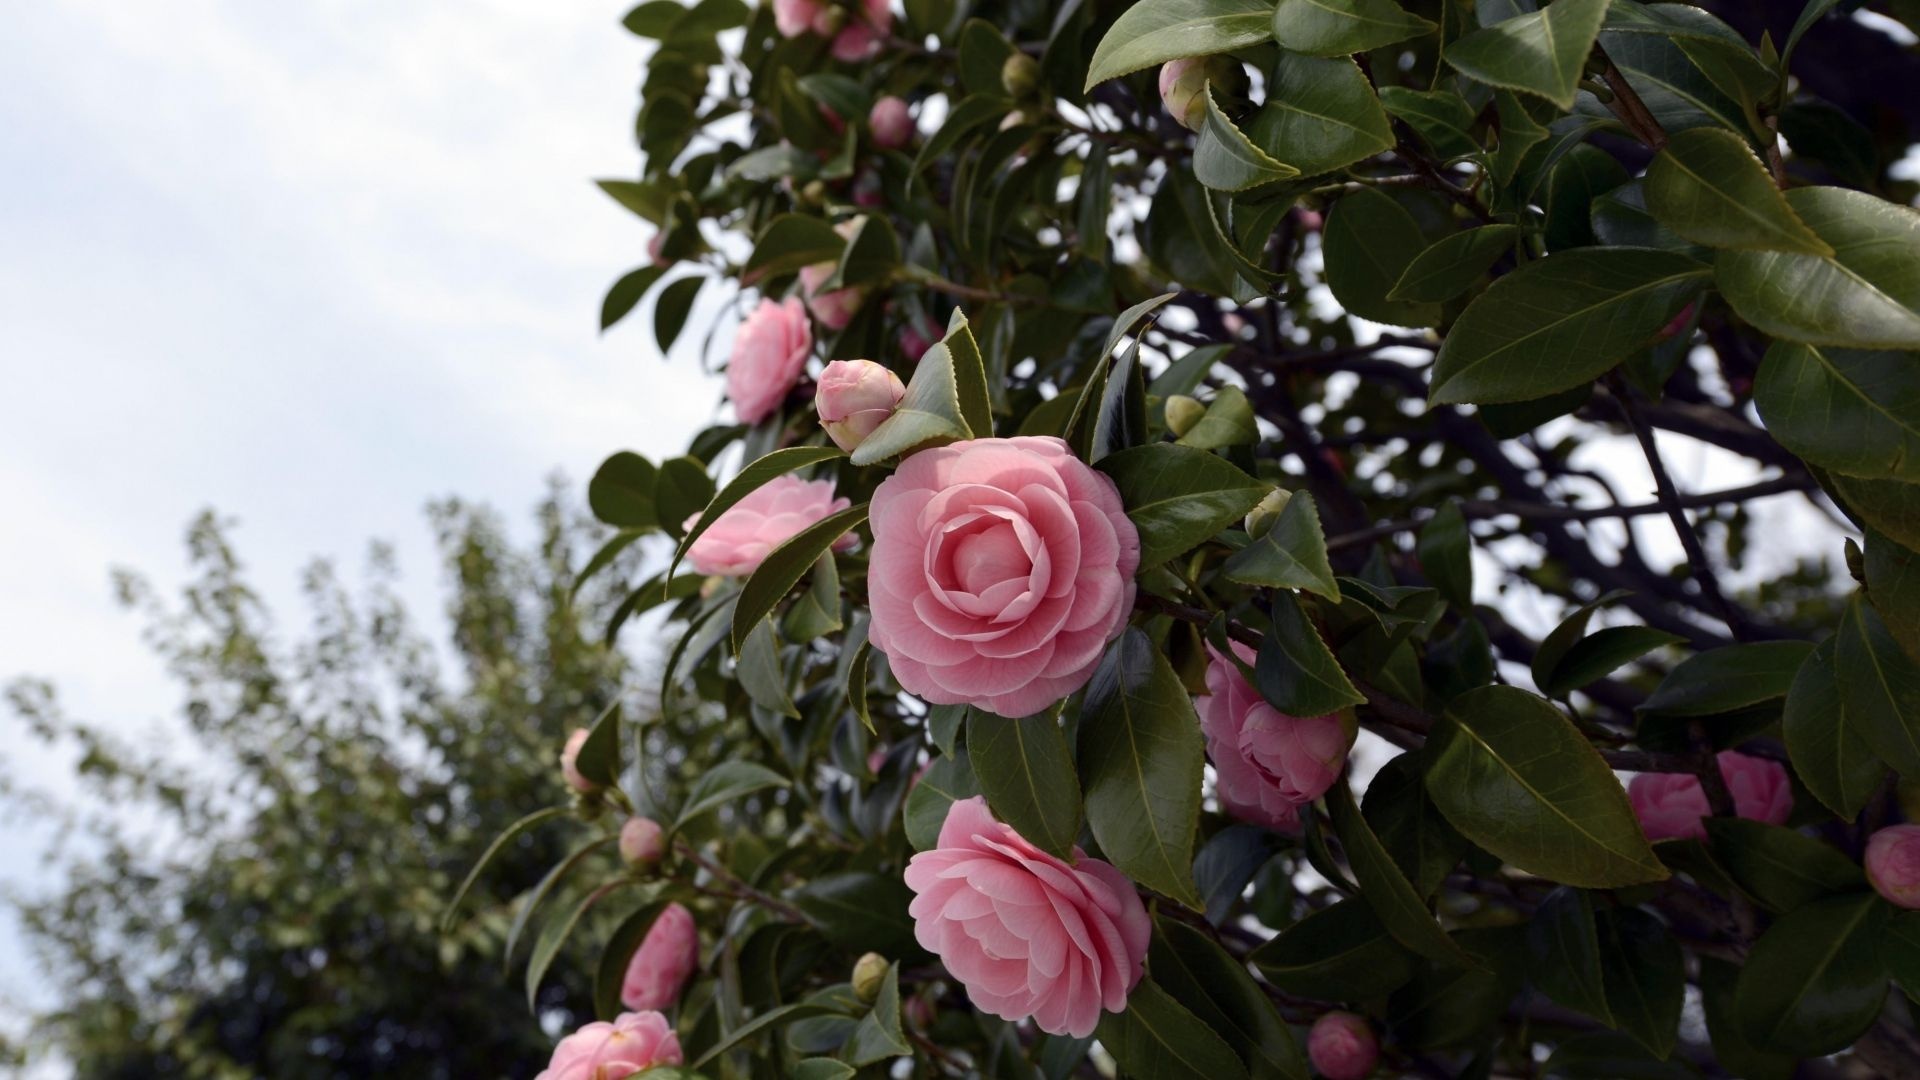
[603,1051]
[860,38]
[641,842]
[569,756]
[769,353]
[795,17]
[856,396]
[1670,806]
[892,124]
[662,963]
[1342,1046]
[736,543]
[1000,569]
[1893,864]
[1268,764]
[1027,934]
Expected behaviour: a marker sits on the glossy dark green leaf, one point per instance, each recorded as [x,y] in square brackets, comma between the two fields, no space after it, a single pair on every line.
[1179,497]
[1409,826]
[860,910]
[531,901]
[1370,240]
[1455,264]
[1900,942]
[621,491]
[725,783]
[1866,295]
[1891,507]
[1213,985]
[761,672]
[930,414]
[1541,53]
[872,255]
[783,567]
[1340,27]
[599,757]
[1893,583]
[1025,769]
[1446,1005]
[1226,863]
[1321,114]
[878,1036]
[766,1021]
[616,955]
[1718,981]
[948,779]
[1829,755]
[554,935]
[790,242]
[1581,175]
[1156,31]
[1225,160]
[1159,1037]
[626,293]
[1780,868]
[1728,678]
[1563,943]
[680,489]
[1848,411]
[1445,550]
[1295,671]
[1515,776]
[1815,980]
[1601,653]
[1141,757]
[1291,555]
[1441,117]
[1709,187]
[671,310]
[1383,886]
[1339,953]
[1879,687]
[1562,638]
[1645,976]
[507,836]
[1228,421]
[1561,321]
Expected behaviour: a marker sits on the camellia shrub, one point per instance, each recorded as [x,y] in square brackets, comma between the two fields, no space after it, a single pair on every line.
[1132,410]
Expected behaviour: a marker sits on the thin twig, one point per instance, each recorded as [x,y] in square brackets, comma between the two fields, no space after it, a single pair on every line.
[1626,105]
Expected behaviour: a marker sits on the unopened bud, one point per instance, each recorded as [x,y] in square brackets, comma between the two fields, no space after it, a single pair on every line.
[1183,86]
[1020,76]
[569,763]
[814,193]
[869,974]
[854,398]
[1182,413]
[641,843]
[1260,519]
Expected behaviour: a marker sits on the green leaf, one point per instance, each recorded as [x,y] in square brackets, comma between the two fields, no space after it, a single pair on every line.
[671,310]
[1223,158]
[1448,1005]
[1321,114]
[523,916]
[761,672]
[969,375]
[1780,868]
[1601,653]
[1445,551]
[724,783]
[1382,885]
[872,255]
[621,491]
[1515,776]
[1092,391]
[1441,117]
[781,570]
[1879,687]
[1901,944]
[1645,976]
[611,971]
[1816,979]
[1829,754]
[554,935]
[1156,31]
[1454,265]
[603,558]
[1228,421]
[1141,757]
[1718,981]
[878,1036]
[626,293]
[1893,582]
[1226,863]
[1157,1036]
[948,780]
[1542,53]
[1339,953]
[649,594]
[507,836]
[1728,678]
[1340,27]
[680,489]
[1216,988]
[931,413]
[1889,506]
[1847,411]
[1025,770]
[789,242]
[1397,806]
[1178,497]
[1369,241]
[1561,321]
[1295,671]
[1709,187]
[1292,554]
[1563,943]
[772,1018]
[1866,295]
[599,757]
[749,480]
[1554,647]
[822,1069]
[860,910]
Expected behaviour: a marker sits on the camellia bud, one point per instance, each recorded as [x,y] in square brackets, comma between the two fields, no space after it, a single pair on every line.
[1893,864]
[1342,1046]
[814,193]
[1183,86]
[892,124]
[1020,76]
[1260,519]
[868,975]
[1182,413]
[569,767]
[641,843]
[856,396]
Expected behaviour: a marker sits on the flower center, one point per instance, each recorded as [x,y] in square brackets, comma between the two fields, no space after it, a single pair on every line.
[980,560]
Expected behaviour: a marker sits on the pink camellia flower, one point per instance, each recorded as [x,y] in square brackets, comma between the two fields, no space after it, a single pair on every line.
[1893,864]
[736,543]
[1342,1046]
[769,353]
[641,842]
[1268,764]
[603,1051]
[856,396]
[795,17]
[660,966]
[860,39]
[569,768]
[891,123]
[1000,569]
[1027,934]
[1670,806]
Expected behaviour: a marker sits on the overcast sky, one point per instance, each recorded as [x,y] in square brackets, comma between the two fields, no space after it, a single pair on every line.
[312,265]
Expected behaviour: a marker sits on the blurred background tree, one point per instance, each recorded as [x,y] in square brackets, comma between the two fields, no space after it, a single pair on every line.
[265,900]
